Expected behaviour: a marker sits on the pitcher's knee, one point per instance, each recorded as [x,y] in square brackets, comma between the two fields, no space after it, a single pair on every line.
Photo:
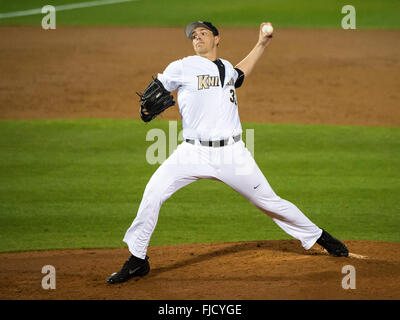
[152,198]
[156,193]
[272,206]
[266,200]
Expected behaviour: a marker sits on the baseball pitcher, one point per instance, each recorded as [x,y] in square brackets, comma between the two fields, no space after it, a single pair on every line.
[212,146]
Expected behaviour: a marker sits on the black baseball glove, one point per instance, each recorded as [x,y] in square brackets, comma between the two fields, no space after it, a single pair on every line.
[154,100]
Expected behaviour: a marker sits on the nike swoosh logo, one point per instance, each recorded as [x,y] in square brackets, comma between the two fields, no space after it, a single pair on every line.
[256,186]
[134,270]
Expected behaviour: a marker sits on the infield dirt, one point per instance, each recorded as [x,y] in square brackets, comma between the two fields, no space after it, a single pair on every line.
[348,77]
[345,77]
[227,271]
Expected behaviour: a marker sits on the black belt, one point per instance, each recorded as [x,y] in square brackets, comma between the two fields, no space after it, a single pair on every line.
[216,143]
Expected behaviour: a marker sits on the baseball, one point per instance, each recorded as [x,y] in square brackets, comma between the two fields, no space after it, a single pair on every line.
[267,28]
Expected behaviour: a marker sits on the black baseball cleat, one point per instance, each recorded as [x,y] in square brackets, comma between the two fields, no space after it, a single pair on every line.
[133,267]
[332,245]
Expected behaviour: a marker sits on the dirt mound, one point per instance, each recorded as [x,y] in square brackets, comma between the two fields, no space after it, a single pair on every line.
[258,270]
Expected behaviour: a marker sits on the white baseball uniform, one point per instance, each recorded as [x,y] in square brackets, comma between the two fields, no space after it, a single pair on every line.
[208,106]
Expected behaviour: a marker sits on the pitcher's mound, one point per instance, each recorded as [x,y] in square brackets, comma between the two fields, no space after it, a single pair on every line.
[257,270]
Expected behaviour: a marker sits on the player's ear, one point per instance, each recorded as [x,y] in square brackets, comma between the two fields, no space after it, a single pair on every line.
[217,39]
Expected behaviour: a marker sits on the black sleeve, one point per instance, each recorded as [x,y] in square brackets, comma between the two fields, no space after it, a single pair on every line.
[240,78]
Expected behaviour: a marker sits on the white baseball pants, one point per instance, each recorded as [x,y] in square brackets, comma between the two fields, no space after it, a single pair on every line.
[232,164]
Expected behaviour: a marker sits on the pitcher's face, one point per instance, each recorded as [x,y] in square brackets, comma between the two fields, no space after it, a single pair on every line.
[203,40]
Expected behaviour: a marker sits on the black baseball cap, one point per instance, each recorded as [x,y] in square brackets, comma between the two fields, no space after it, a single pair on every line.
[208,25]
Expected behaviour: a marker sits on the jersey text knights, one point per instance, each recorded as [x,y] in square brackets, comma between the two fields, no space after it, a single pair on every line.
[206,96]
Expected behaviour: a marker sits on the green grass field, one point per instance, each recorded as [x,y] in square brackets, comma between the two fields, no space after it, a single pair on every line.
[371,14]
[78,184]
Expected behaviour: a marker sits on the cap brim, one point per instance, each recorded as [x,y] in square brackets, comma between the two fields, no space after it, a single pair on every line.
[191,26]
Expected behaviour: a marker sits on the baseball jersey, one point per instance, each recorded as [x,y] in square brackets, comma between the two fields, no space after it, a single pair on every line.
[206,96]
